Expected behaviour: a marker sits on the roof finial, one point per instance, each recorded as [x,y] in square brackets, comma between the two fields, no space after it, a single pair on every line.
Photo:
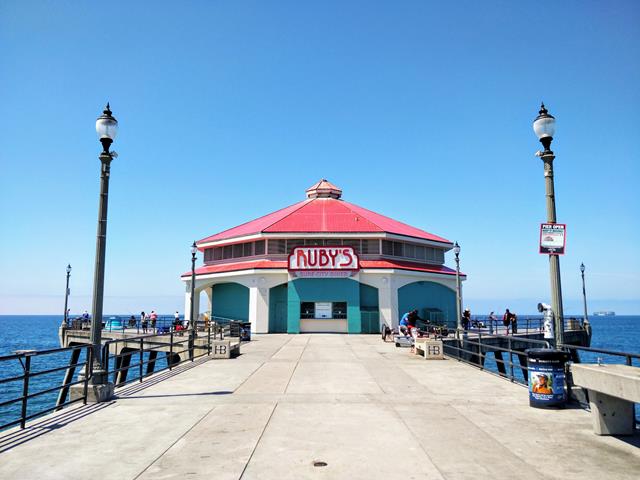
[324,189]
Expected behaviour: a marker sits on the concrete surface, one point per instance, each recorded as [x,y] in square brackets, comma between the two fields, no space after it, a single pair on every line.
[367,409]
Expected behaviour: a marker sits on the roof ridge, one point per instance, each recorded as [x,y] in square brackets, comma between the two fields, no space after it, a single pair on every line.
[303,202]
[300,203]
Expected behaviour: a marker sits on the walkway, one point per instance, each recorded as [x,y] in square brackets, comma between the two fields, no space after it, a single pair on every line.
[365,408]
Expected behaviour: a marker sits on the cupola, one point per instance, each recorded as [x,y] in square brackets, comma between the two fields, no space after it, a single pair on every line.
[324,189]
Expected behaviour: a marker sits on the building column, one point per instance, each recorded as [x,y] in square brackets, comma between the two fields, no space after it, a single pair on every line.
[388,302]
[187,302]
[259,309]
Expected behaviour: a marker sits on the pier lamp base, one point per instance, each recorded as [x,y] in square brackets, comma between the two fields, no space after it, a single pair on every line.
[99,388]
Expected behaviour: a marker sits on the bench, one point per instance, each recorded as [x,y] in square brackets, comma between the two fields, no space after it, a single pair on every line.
[613,389]
[431,349]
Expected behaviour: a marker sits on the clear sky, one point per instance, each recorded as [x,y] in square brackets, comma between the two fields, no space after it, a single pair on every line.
[230,109]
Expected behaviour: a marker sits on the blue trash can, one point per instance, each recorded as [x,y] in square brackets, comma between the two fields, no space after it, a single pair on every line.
[546,377]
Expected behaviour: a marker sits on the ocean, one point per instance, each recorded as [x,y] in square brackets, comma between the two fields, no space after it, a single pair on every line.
[40,332]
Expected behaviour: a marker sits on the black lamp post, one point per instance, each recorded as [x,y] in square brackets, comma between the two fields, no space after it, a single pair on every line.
[544,127]
[106,127]
[584,293]
[192,320]
[66,298]
[456,251]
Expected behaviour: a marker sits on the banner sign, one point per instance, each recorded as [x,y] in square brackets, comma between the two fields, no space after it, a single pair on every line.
[552,238]
[323,261]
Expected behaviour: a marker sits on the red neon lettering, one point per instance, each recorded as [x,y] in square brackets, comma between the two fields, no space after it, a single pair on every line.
[333,253]
[347,254]
[301,258]
[323,259]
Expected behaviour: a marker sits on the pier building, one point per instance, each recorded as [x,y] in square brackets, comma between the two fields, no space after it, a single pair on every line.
[324,265]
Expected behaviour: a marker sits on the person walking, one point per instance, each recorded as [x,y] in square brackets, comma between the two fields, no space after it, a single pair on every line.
[506,320]
[466,319]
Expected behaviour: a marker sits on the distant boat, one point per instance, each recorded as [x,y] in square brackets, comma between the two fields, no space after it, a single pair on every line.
[607,313]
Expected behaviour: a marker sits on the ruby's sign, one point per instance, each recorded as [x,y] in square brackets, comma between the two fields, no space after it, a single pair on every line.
[323,261]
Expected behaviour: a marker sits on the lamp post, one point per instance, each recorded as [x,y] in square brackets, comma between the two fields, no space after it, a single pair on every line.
[192,320]
[66,297]
[106,127]
[544,127]
[456,251]
[584,293]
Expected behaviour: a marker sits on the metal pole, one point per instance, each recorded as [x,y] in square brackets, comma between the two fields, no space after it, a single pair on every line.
[458,297]
[66,297]
[192,320]
[584,293]
[554,260]
[99,373]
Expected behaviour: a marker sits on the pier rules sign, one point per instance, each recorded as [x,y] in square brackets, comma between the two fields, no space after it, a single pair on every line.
[552,238]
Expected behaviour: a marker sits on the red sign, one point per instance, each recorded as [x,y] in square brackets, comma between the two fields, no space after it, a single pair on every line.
[323,259]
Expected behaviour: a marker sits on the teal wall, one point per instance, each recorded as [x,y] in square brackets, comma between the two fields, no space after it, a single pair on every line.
[422,295]
[278,309]
[324,290]
[231,300]
[369,311]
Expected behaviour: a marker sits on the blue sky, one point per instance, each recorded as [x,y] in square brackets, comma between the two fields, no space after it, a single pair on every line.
[229,110]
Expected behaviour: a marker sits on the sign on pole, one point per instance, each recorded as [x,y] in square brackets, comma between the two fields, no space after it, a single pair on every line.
[552,238]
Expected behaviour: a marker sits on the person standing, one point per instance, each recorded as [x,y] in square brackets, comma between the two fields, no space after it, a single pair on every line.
[144,321]
[176,319]
[492,319]
[514,323]
[506,320]
[153,318]
[466,319]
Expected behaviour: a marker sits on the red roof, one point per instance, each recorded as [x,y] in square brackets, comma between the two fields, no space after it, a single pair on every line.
[364,264]
[323,214]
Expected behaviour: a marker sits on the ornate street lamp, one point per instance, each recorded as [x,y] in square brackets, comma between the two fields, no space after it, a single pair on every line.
[544,127]
[66,298]
[192,320]
[456,251]
[107,128]
[584,293]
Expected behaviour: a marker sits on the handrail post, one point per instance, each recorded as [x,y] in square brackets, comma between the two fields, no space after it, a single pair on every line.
[25,390]
[628,357]
[510,359]
[170,361]
[480,359]
[85,385]
[141,362]
[209,340]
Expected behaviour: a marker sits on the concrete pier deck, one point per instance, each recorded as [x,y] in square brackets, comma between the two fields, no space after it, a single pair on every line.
[367,409]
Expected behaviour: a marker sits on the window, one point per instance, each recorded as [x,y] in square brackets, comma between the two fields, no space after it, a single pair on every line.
[227,252]
[387,247]
[259,247]
[217,253]
[409,250]
[247,249]
[370,247]
[314,242]
[237,250]
[208,253]
[291,244]
[355,244]
[429,254]
[277,247]
[339,310]
[307,310]
[439,255]
[420,252]
[398,249]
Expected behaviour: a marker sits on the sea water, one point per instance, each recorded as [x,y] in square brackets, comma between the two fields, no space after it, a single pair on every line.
[40,332]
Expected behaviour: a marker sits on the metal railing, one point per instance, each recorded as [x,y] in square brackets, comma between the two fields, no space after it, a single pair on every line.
[139,355]
[474,352]
[26,361]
